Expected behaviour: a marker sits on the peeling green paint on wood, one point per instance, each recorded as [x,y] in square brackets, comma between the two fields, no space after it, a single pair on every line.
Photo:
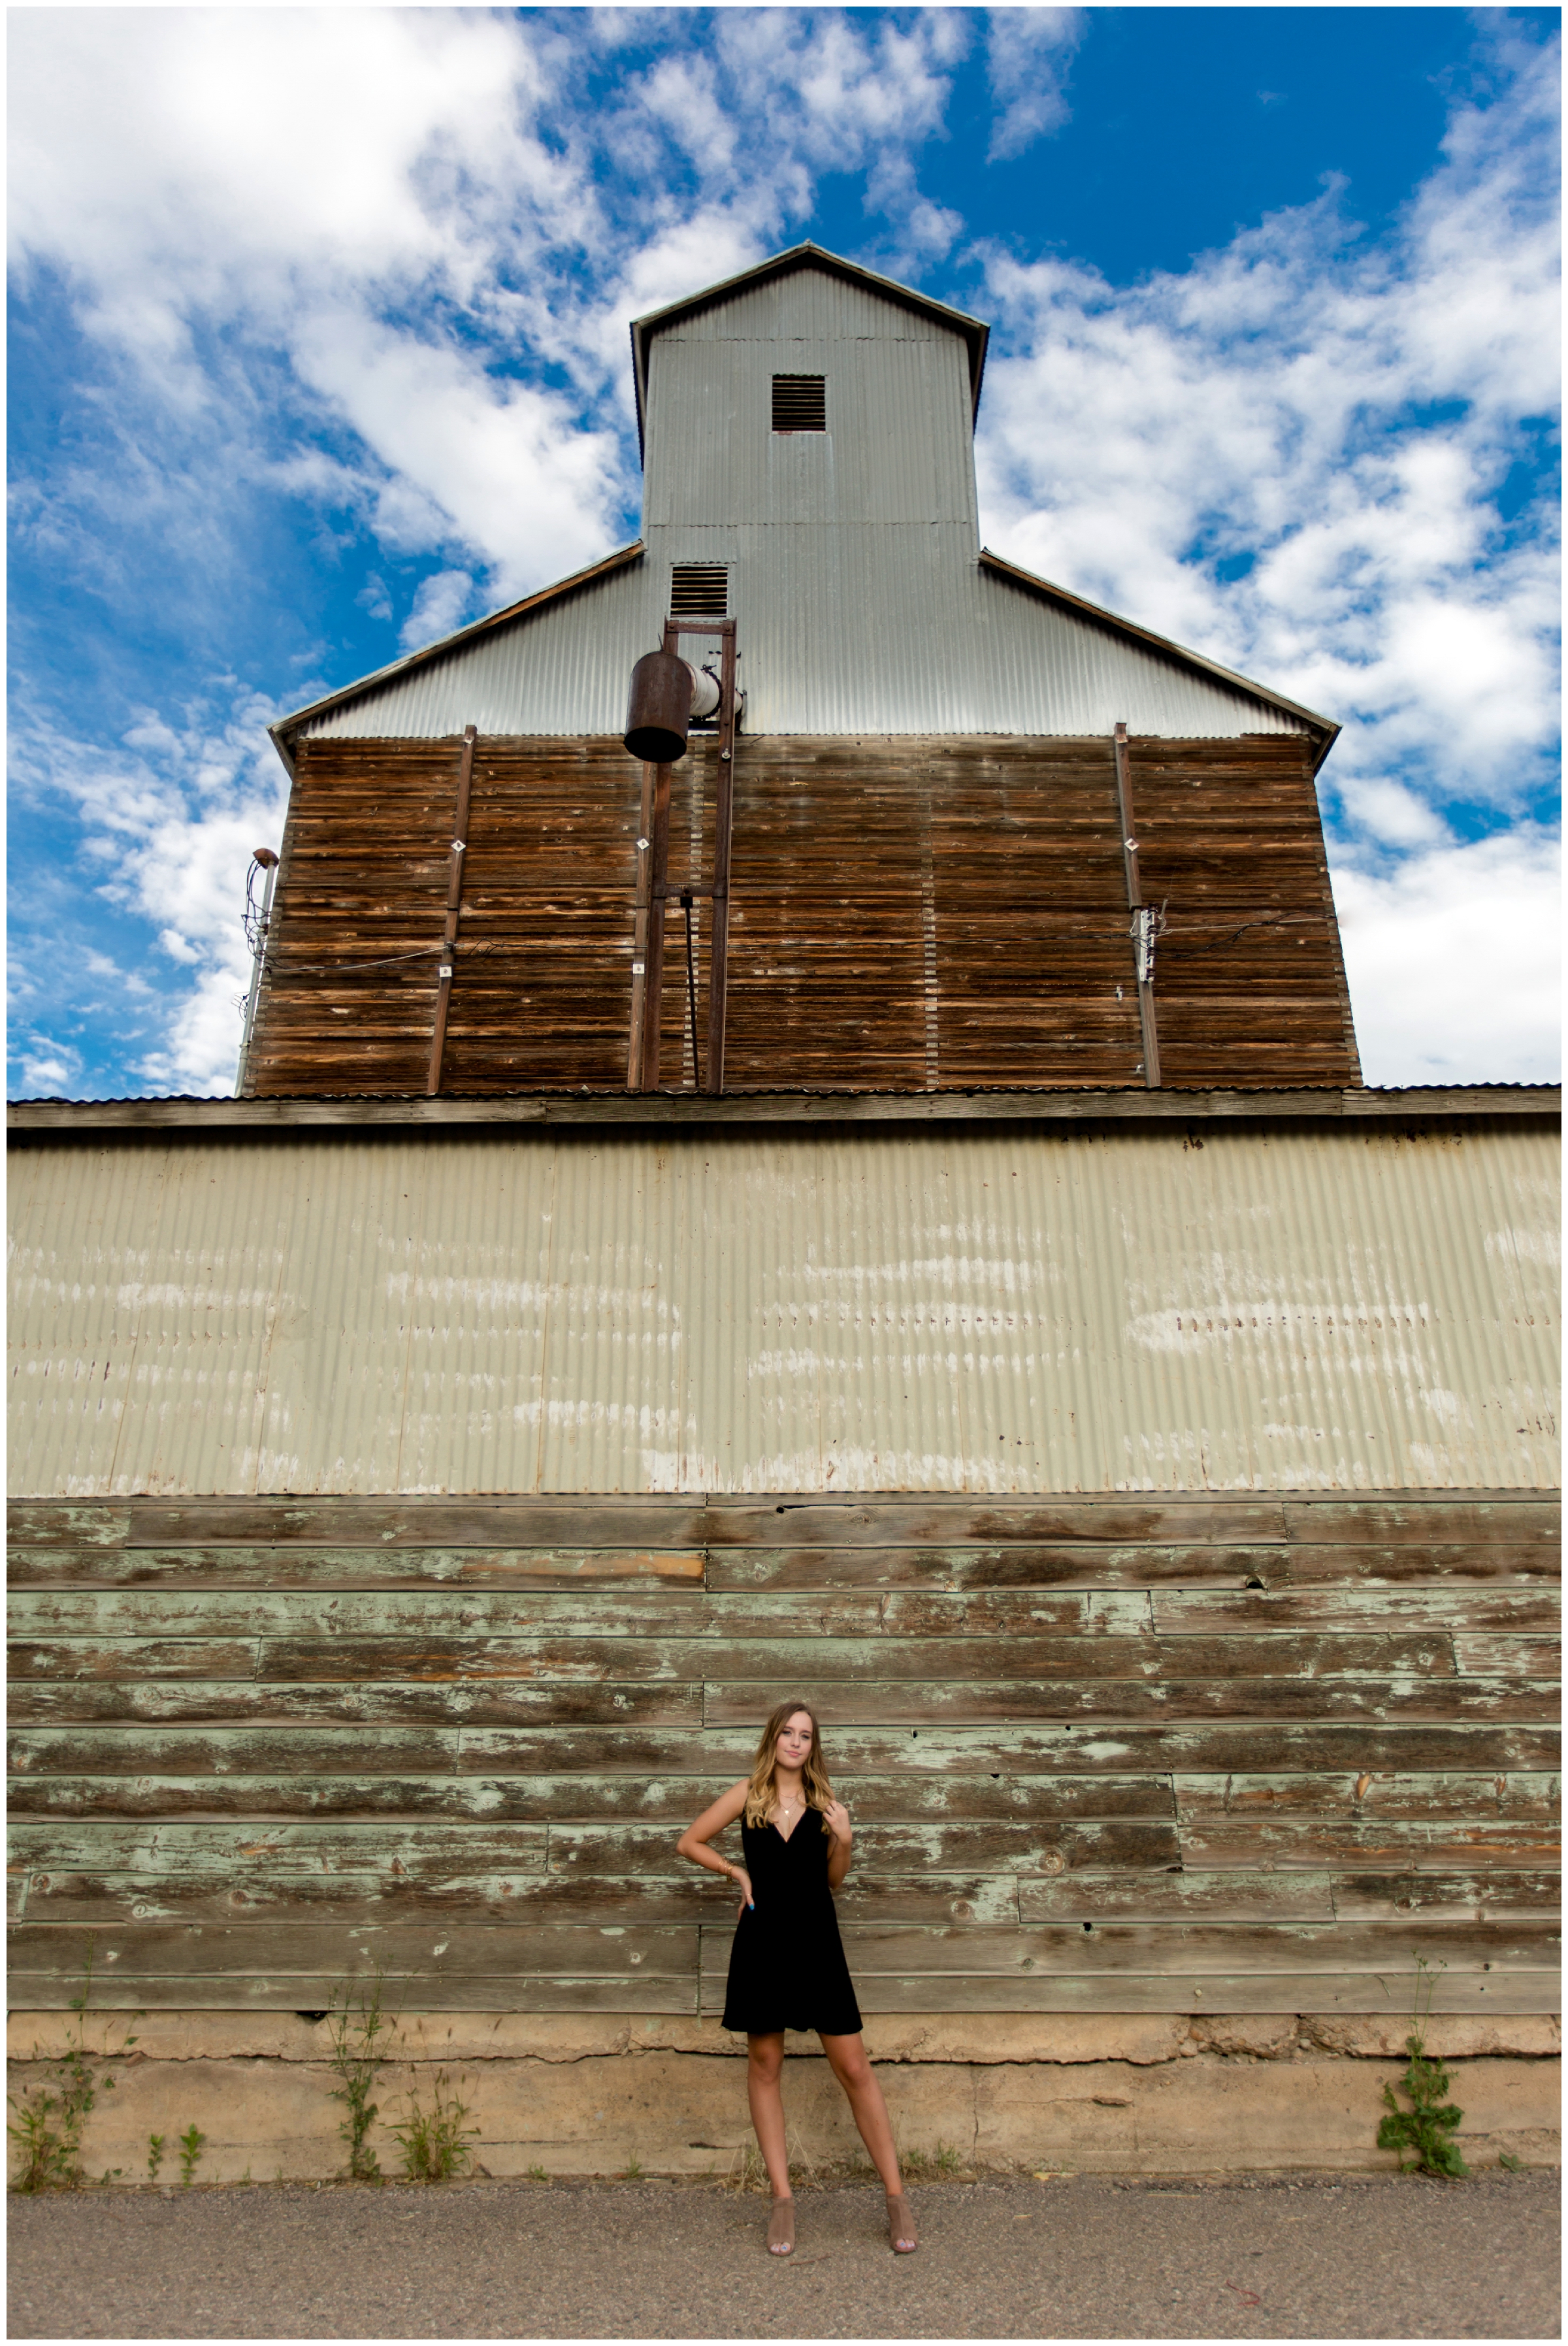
[1103,1755]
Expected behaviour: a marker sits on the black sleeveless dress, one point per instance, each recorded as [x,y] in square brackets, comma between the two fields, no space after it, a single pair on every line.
[787,1967]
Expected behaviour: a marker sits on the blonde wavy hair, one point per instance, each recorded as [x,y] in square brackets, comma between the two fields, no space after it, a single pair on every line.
[762,1792]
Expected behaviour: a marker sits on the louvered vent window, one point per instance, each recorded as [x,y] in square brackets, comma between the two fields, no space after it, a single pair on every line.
[700,590]
[800,403]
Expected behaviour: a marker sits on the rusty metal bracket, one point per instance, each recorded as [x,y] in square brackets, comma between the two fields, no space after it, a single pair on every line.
[1143,930]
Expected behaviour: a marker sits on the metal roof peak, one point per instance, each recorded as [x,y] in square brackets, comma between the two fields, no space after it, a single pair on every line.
[974,333]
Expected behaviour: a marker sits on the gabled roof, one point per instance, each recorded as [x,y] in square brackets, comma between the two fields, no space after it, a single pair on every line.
[974,333]
[1324,729]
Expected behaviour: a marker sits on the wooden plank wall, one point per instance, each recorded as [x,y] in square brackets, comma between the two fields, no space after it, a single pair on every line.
[907,914]
[1229,837]
[1238,1755]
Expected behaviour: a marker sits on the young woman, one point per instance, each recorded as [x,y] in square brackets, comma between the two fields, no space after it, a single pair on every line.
[787,1967]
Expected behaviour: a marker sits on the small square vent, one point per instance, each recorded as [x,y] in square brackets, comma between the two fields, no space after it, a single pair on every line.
[800,403]
[700,590]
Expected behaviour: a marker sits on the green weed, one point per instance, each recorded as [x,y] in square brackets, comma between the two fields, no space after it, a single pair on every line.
[919,2165]
[47,2119]
[154,2142]
[537,2174]
[191,2143]
[358,2024]
[435,2142]
[1427,2126]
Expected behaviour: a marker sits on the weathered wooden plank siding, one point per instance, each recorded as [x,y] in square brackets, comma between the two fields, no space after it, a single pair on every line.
[1106,1757]
[907,913]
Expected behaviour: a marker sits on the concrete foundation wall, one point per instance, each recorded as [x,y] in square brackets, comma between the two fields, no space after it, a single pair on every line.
[585,2095]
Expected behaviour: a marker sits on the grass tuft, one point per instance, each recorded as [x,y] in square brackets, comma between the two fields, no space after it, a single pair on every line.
[435,2142]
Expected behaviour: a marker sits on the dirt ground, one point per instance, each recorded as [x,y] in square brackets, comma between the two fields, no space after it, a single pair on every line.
[1303,2257]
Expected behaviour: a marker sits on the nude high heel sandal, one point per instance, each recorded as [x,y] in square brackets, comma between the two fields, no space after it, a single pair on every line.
[781,2228]
[902,2238]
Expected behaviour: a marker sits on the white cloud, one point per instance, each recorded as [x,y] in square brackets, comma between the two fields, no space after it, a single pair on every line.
[1455,961]
[508,469]
[1028,52]
[439,609]
[1271,410]
[316,182]
[169,820]
[1389,813]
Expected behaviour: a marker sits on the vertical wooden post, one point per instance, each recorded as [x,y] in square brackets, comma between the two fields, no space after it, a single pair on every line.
[1135,906]
[640,934]
[724,807]
[655,831]
[652,979]
[454,912]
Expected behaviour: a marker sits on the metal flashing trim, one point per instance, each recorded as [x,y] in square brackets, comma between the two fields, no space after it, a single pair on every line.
[397,1519]
[975,332]
[88,1118]
[1324,727]
[286,728]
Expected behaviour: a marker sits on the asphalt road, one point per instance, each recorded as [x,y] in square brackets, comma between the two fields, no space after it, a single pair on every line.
[1329,2256]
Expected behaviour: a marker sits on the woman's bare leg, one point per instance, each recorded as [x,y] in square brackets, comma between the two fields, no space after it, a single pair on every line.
[764,2060]
[847,2057]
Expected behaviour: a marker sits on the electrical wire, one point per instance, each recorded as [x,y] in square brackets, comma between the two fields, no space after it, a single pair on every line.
[250,918]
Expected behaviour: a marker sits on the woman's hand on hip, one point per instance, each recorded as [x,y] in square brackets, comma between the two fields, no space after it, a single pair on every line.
[742,1882]
[836,1817]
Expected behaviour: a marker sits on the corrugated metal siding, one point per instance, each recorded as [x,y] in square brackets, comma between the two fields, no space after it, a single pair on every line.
[854,561]
[897,449]
[982,1312]
[876,630]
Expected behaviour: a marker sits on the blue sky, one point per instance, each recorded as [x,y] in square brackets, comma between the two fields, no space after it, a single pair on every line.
[319,348]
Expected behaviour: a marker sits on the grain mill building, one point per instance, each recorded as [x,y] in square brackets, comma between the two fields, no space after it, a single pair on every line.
[874,1198]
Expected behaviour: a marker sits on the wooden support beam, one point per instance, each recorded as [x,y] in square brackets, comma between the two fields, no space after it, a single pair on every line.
[658,858]
[1135,906]
[453,911]
[640,933]
[648,937]
[719,951]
